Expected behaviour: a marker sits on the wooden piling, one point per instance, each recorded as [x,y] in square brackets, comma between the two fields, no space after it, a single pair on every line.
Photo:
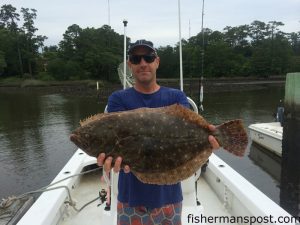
[290,164]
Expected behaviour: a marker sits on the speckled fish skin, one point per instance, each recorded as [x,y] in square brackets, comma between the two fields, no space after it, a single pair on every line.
[161,145]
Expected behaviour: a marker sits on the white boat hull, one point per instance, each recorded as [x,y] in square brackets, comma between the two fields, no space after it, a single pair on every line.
[223,193]
[268,135]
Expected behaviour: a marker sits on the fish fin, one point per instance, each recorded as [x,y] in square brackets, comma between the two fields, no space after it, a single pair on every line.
[232,136]
[186,114]
[92,118]
[174,109]
[175,175]
[112,114]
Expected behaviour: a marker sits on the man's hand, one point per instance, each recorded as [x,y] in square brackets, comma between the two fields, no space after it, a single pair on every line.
[106,163]
[215,145]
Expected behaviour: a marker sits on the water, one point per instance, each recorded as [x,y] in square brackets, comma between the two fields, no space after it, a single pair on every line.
[35,128]
[256,106]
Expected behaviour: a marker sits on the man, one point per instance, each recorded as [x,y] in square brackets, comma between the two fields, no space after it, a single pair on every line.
[151,202]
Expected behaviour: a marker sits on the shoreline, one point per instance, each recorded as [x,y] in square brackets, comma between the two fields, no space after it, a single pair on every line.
[191,86]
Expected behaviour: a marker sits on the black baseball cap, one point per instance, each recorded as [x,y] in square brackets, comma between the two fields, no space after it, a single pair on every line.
[139,43]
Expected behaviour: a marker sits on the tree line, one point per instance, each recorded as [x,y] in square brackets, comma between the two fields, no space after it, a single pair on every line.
[257,49]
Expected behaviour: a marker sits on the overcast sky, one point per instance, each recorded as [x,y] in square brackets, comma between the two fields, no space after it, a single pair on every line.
[156,20]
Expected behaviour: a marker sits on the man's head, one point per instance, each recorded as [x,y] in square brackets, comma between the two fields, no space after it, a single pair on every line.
[143,61]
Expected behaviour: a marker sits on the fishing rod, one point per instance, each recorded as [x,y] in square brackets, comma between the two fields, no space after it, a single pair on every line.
[125,49]
[202,64]
[180,47]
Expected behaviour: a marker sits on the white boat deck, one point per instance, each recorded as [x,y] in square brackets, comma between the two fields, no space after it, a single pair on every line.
[223,194]
[90,186]
[88,190]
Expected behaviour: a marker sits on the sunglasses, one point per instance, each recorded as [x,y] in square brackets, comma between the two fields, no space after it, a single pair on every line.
[136,59]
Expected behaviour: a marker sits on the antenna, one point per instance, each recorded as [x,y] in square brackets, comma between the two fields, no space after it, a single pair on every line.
[180,48]
[189,29]
[108,12]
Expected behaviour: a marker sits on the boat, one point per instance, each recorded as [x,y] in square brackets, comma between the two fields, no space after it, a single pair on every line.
[217,195]
[268,135]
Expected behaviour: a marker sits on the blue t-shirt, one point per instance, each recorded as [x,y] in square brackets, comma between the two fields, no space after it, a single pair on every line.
[130,189]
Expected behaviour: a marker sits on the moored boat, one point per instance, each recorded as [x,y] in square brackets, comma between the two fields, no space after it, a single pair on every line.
[268,135]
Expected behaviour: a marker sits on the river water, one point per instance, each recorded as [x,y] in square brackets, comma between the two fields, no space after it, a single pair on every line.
[35,128]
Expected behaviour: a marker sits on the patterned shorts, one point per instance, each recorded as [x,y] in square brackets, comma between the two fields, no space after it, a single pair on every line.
[167,215]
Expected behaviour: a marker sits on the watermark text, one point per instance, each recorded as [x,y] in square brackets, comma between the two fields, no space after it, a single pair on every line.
[199,219]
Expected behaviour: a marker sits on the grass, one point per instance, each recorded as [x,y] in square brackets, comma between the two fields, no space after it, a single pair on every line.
[23,83]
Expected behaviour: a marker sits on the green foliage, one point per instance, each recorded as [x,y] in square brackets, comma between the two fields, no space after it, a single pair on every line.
[294,64]
[259,48]
[59,69]
[3,64]
[221,60]
[169,64]
[45,76]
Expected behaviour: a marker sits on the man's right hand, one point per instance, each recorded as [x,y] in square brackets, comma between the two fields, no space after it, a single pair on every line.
[212,140]
[106,163]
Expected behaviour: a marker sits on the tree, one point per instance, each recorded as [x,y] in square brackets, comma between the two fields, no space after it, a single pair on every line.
[31,42]
[8,18]
[97,52]
[294,39]
[169,66]
[257,31]
[237,36]
[260,49]
[69,45]
[2,62]
[272,29]
[221,60]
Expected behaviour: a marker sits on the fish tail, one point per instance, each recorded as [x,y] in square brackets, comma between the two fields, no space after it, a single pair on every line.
[232,136]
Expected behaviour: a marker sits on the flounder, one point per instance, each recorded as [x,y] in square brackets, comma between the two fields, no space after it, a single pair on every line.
[161,145]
